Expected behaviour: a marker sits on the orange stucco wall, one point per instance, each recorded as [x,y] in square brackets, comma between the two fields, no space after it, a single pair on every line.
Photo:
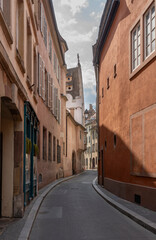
[127,108]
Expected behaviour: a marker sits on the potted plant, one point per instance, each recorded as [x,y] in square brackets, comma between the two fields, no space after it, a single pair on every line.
[36,150]
[28,145]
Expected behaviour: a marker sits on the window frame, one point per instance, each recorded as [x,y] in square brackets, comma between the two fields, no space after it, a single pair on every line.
[149,10]
[144,61]
[133,49]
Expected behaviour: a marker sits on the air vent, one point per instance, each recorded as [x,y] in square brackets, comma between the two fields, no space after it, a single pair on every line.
[137,199]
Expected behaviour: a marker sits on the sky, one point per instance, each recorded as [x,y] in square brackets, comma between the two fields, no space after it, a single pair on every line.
[78,23]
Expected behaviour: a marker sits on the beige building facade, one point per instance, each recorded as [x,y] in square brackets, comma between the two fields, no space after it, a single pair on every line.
[91,153]
[33,125]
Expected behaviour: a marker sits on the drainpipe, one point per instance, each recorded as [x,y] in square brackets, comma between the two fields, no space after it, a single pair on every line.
[97,111]
[24,187]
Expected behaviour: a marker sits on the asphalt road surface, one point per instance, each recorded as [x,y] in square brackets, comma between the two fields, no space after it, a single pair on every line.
[74,211]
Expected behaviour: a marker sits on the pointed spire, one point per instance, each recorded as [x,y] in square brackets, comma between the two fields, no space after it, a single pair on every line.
[78,58]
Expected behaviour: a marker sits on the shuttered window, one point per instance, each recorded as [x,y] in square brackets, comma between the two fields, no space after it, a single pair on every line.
[43,80]
[55,63]
[45,32]
[49,91]
[50,47]
[59,111]
[55,101]
[51,94]
[1,4]
[42,19]
[59,77]
[40,75]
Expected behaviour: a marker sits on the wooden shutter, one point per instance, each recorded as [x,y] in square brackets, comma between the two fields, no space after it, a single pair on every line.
[1,4]
[59,111]
[59,77]
[45,31]
[51,94]
[53,97]
[36,8]
[49,91]
[42,19]
[43,80]
[40,76]
[56,103]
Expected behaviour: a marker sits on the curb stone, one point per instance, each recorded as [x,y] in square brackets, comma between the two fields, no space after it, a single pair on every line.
[144,222]
[26,230]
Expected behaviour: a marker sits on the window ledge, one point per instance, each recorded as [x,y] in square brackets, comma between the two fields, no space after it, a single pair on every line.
[20,61]
[142,65]
[35,97]
[29,83]
[5,28]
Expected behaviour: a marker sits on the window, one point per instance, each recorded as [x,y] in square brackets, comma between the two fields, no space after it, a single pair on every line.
[45,32]
[136,47]
[149,30]
[105,144]
[114,140]
[55,63]
[108,83]
[1,4]
[93,148]
[63,148]
[115,73]
[93,134]
[56,103]
[54,148]
[50,47]
[49,146]
[5,6]
[44,143]
[43,23]
[29,52]
[69,88]
[102,92]
[19,28]
[58,152]
[35,72]
[59,111]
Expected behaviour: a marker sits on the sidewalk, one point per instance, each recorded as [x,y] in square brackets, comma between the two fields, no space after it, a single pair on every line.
[19,229]
[141,215]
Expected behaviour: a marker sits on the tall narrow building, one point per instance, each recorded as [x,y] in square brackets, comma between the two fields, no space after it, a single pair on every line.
[75,120]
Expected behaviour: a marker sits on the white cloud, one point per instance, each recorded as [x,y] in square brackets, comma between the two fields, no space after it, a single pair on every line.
[92,14]
[76,37]
[64,23]
[74,5]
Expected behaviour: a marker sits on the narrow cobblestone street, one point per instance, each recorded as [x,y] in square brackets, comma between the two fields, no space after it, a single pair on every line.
[74,211]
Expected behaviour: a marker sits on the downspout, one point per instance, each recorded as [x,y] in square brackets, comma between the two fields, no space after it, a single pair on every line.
[66,134]
[24,187]
[97,113]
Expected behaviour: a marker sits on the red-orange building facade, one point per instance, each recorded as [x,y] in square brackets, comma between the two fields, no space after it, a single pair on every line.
[125,66]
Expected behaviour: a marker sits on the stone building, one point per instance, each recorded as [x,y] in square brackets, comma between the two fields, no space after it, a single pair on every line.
[75,120]
[124,60]
[32,102]
[91,153]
